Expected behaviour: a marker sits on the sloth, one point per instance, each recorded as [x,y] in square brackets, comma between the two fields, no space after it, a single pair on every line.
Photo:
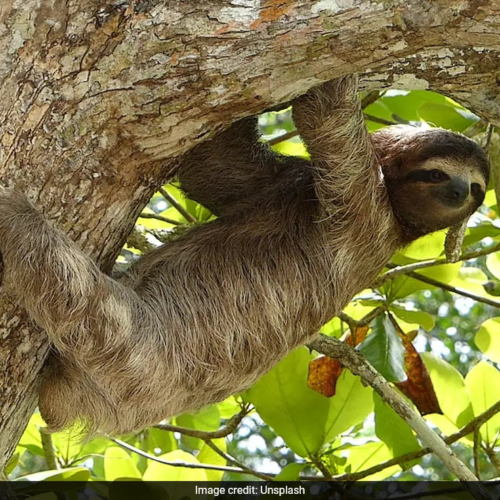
[208,313]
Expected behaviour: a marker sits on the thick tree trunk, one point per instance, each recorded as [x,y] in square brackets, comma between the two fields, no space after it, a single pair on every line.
[96,99]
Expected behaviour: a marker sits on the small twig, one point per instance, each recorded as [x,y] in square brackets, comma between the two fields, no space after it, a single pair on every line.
[48,450]
[177,205]
[374,313]
[224,431]
[488,136]
[400,270]
[160,218]
[322,468]
[476,449]
[370,98]
[376,119]
[351,322]
[208,436]
[237,463]
[283,137]
[364,321]
[358,365]
[494,459]
[449,288]
[187,465]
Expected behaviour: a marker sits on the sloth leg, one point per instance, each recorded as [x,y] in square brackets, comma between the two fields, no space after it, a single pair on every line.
[228,168]
[67,390]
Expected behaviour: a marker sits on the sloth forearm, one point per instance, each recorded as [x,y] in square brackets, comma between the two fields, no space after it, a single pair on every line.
[330,120]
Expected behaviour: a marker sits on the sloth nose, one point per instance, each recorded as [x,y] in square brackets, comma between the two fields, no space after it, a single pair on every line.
[459,190]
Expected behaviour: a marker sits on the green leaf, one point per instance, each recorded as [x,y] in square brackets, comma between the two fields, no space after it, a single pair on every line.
[403,286]
[392,429]
[211,457]
[158,439]
[483,383]
[493,264]
[68,444]
[363,456]
[291,148]
[207,419]
[384,350]
[170,213]
[11,464]
[31,439]
[450,389]
[430,246]
[472,279]
[490,200]
[70,474]
[228,408]
[291,472]
[160,472]
[441,115]
[351,404]
[95,446]
[417,105]
[190,206]
[421,318]
[119,464]
[295,412]
[488,339]
[477,233]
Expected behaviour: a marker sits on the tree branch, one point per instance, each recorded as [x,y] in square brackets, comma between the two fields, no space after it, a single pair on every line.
[400,270]
[449,288]
[474,424]
[358,365]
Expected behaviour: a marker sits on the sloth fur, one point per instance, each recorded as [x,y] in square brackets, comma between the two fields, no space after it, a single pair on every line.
[204,316]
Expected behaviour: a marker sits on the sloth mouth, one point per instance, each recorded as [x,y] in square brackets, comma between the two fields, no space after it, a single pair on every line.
[454,201]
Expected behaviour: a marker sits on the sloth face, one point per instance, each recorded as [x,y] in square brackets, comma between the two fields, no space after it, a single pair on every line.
[434,178]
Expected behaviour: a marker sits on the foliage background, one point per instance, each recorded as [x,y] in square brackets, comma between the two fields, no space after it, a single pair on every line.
[285,428]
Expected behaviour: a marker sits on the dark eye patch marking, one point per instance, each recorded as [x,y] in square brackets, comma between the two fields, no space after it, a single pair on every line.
[427,176]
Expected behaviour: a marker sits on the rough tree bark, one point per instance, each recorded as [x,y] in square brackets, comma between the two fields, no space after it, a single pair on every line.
[98,98]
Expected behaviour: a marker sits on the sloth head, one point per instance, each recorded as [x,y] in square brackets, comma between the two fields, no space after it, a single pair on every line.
[435,178]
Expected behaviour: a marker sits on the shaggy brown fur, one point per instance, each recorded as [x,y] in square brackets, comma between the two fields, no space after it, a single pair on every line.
[206,315]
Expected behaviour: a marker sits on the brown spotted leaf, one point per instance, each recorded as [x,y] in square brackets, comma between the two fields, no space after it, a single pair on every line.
[324,371]
[323,375]
[418,386]
[358,337]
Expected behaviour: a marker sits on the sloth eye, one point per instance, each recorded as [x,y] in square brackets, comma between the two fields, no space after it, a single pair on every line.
[436,175]
[475,188]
